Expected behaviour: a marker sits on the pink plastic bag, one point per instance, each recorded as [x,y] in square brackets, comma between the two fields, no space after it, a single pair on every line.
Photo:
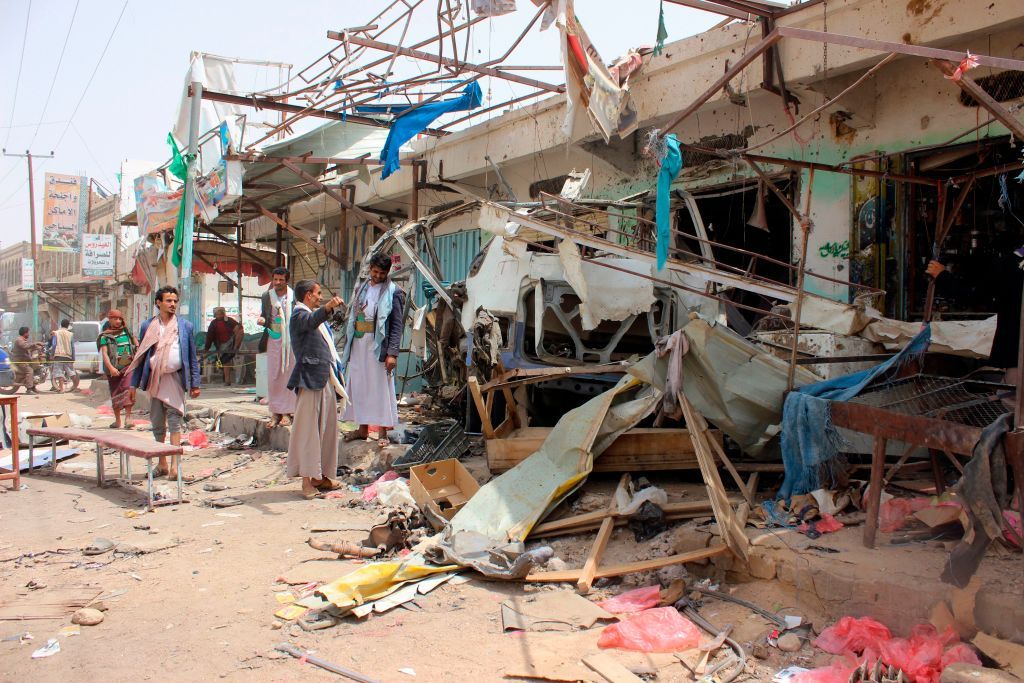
[894,512]
[633,601]
[826,525]
[853,635]
[104,409]
[370,492]
[837,672]
[198,439]
[662,629]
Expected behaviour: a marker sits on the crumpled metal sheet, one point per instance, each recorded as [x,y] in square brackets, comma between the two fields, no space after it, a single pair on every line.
[735,385]
[606,294]
[496,561]
[507,508]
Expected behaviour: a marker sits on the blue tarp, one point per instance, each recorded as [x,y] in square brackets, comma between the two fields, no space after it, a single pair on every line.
[671,164]
[407,126]
[809,439]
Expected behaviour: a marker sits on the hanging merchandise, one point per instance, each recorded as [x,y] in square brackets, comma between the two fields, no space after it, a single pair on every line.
[409,125]
[671,164]
[493,8]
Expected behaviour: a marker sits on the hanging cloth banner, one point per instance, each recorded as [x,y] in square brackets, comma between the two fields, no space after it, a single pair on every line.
[409,125]
[671,164]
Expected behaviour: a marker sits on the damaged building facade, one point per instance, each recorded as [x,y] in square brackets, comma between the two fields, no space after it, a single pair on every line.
[904,119]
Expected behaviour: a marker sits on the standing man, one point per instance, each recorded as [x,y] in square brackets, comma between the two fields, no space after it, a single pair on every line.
[166,367]
[63,347]
[21,358]
[275,314]
[313,446]
[225,334]
[374,325]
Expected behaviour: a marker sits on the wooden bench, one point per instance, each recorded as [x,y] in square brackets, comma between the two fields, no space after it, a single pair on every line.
[127,446]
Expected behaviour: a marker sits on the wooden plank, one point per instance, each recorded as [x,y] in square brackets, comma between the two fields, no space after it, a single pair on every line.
[640,449]
[481,409]
[604,535]
[619,521]
[732,530]
[593,518]
[610,668]
[570,575]
[875,492]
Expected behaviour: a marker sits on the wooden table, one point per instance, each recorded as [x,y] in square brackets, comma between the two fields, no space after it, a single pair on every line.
[15,472]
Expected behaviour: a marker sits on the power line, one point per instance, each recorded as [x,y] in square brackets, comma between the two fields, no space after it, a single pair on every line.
[55,73]
[17,81]
[93,75]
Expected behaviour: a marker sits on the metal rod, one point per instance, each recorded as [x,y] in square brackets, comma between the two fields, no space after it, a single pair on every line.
[805,231]
[901,48]
[428,57]
[730,73]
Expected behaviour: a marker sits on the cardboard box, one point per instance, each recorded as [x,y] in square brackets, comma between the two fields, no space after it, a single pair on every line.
[441,489]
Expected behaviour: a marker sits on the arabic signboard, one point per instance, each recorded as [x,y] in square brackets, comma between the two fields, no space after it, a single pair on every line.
[64,209]
[28,273]
[97,256]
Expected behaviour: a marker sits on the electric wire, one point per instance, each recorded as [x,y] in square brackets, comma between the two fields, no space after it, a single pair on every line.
[17,80]
[93,75]
[56,72]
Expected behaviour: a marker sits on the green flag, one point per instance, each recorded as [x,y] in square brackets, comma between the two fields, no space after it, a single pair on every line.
[659,45]
[179,168]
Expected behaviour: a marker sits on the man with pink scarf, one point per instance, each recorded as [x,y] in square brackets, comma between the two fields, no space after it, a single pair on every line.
[166,366]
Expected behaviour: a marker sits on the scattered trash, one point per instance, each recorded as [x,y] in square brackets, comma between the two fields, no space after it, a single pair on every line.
[893,513]
[212,488]
[225,502]
[197,439]
[827,524]
[439,441]
[788,674]
[20,638]
[395,493]
[662,629]
[921,657]
[632,601]
[370,492]
[408,671]
[51,648]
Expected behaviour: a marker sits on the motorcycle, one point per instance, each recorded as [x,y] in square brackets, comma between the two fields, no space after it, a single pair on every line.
[40,371]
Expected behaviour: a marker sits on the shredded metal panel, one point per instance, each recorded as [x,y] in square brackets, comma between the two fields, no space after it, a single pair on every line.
[965,401]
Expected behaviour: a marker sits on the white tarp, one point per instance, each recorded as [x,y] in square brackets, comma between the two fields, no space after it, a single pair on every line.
[216,74]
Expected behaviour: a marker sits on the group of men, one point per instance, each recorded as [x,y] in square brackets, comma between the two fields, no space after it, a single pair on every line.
[308,377]
[25,357]
[309,380]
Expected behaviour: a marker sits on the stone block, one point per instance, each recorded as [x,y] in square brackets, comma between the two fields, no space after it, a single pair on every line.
[969,673]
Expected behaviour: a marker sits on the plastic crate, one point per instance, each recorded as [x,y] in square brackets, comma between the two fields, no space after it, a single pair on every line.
[439,441]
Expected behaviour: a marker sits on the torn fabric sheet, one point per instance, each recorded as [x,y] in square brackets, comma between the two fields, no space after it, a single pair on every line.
[671,164]
[968,338]
[507,508]
[809,439]
[408,125]
[215,74]
[606,294]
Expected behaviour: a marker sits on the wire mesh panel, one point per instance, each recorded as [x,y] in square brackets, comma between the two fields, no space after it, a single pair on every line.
[969,402]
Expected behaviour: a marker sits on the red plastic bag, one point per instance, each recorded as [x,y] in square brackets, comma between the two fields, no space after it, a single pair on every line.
[922,657]
[853,635]
[198,439]
[370,492]
[662,629]
[837,672]
[826,525]
[633,601]
[104,409]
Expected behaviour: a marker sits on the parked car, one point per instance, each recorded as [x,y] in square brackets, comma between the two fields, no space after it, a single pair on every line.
[87,354]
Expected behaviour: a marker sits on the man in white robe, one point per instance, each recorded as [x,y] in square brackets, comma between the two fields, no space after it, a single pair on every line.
[374,324]
[275,314]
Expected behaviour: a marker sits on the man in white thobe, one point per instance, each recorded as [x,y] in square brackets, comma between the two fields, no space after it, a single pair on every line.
[374,324]
[275,314]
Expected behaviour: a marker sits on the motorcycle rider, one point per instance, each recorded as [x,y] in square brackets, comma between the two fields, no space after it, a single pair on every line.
[21,357]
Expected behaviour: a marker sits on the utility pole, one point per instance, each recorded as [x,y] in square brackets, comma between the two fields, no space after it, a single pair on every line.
[32,231]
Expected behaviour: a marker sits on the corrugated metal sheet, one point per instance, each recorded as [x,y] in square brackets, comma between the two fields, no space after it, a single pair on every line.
[456,252]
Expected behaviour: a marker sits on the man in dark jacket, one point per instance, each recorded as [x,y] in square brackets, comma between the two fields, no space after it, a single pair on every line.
[313,444]
[375,322]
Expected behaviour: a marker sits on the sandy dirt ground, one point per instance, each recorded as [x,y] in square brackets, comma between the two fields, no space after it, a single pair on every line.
[194,595]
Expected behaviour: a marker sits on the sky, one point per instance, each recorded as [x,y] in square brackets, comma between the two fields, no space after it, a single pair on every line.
[99,81]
